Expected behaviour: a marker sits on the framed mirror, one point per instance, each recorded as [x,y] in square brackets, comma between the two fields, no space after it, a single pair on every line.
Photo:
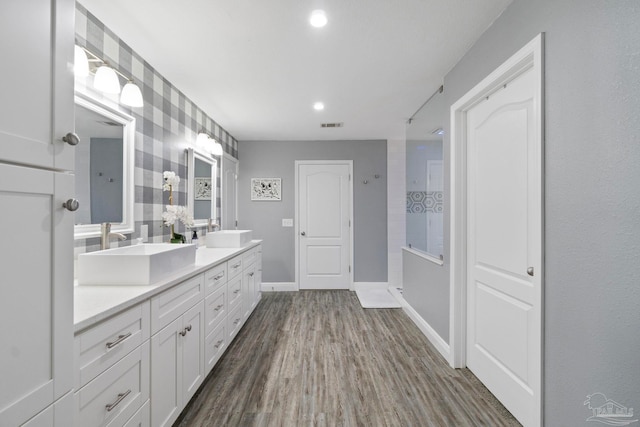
[201,186]
[425,179]
[103,168]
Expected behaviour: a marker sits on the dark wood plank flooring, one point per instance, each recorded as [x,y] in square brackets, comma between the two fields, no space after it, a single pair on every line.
[316,358]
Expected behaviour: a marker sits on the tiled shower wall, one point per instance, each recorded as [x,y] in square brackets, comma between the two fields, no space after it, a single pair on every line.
[166,126]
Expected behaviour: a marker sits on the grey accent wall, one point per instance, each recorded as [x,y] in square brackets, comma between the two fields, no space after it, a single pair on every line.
[275,159]
[592,171]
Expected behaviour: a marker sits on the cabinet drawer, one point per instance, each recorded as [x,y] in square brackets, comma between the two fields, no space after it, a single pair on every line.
[234,292]
[142,418]
[170,304]
[215,278]
[215,345]
[248,257]
[115,395]
[234,321]
[99,347]
[234,266]
[215,308]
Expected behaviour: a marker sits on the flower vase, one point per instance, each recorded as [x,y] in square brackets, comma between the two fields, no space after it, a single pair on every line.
[176,237]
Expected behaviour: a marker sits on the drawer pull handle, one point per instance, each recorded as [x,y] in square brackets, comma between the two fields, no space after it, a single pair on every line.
[236,265]
[120,398]
[119,340]
[236,291]
[251,274]
[219,276]
[218,344]
[218,308]
[235,322]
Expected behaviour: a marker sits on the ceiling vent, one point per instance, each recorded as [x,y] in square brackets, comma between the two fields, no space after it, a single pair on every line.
[332,125]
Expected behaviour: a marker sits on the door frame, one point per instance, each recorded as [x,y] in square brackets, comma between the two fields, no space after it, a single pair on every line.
[296,221]
[227,158]
[530,56]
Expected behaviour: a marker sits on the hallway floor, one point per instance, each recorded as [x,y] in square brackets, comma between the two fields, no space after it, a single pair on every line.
[316,358]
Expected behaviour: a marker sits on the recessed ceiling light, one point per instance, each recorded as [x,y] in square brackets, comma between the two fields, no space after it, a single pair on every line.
[318,18]
[318,106]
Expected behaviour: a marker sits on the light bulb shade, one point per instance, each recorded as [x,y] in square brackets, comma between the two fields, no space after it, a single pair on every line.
[106,80]
[202,140]
[80,62]
[131,95]
[217,149]
[318,18]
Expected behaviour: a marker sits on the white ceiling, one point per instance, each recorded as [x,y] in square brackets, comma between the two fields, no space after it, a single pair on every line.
[257,66]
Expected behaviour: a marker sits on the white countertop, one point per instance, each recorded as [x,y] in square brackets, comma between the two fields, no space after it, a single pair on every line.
[93,303]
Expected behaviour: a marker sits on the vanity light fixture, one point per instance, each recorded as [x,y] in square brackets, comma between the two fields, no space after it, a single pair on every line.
[202,141]
[318,18]
[318,106]
[131,95]
[105,77]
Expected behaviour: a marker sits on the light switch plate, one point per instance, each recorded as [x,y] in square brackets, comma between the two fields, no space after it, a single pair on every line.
[287,222]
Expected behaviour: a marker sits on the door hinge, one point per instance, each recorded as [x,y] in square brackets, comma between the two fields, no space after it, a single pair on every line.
[349,269]
[349,177]
[236,223]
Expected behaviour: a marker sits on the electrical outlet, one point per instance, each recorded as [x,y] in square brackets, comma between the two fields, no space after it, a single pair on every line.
[287,222]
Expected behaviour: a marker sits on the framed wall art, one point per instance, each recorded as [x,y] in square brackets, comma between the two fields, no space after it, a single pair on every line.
[266,189]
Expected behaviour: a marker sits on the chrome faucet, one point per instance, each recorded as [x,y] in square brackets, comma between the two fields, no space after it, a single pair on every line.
[211,226]
[106,235]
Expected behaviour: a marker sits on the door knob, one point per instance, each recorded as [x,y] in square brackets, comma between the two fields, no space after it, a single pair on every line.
[71,205]
[303,233]
[71,138]
[530,271]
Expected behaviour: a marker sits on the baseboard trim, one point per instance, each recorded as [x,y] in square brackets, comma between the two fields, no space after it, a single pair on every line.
[362,286]
[433,337]
[278,286]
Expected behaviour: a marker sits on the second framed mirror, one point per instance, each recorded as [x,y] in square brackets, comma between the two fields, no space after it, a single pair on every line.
[201,187]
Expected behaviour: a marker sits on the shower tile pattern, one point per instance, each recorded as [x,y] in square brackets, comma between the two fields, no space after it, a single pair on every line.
[165,127]
[425,201]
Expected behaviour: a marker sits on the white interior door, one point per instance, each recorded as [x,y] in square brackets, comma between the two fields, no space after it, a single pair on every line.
[324,225]
[504,245]
[229,193]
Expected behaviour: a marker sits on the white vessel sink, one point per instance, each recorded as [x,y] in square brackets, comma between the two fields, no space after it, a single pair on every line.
[134,265]
[228,238]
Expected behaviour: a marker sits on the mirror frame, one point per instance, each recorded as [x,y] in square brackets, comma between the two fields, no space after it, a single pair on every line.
[127,225]
[192,155]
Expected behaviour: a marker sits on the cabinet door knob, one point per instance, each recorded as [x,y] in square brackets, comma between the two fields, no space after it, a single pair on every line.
[530,271]
[71,138]
[71,205]
[303,233]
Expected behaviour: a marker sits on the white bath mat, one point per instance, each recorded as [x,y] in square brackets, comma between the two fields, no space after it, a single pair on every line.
[377,298]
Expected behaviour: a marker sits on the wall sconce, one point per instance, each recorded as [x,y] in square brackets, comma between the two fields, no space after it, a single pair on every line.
[106,78]
[202,141]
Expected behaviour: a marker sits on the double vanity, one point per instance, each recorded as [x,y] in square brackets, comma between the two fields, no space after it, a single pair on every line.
[148,335]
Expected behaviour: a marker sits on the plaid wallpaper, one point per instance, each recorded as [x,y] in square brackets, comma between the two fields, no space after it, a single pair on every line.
[165,127]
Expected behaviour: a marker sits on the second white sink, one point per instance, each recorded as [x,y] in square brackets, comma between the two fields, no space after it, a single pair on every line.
[228,238]
[134,265]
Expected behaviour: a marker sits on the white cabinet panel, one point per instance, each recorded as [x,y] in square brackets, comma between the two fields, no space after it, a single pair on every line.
[215,307]
[177,365]
[37,356]
[215,345]
[115,395]
[215,278]
[37,89]
[172,303]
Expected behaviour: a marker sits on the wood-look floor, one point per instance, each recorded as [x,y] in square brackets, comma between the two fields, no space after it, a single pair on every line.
[316,358]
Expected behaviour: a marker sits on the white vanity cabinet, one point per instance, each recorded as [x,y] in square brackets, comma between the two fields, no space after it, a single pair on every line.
[36,296]
[112,369]
[177,350]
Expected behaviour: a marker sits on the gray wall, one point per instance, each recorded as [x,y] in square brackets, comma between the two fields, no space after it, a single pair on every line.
[275,159]
[425,287]
[592,213]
